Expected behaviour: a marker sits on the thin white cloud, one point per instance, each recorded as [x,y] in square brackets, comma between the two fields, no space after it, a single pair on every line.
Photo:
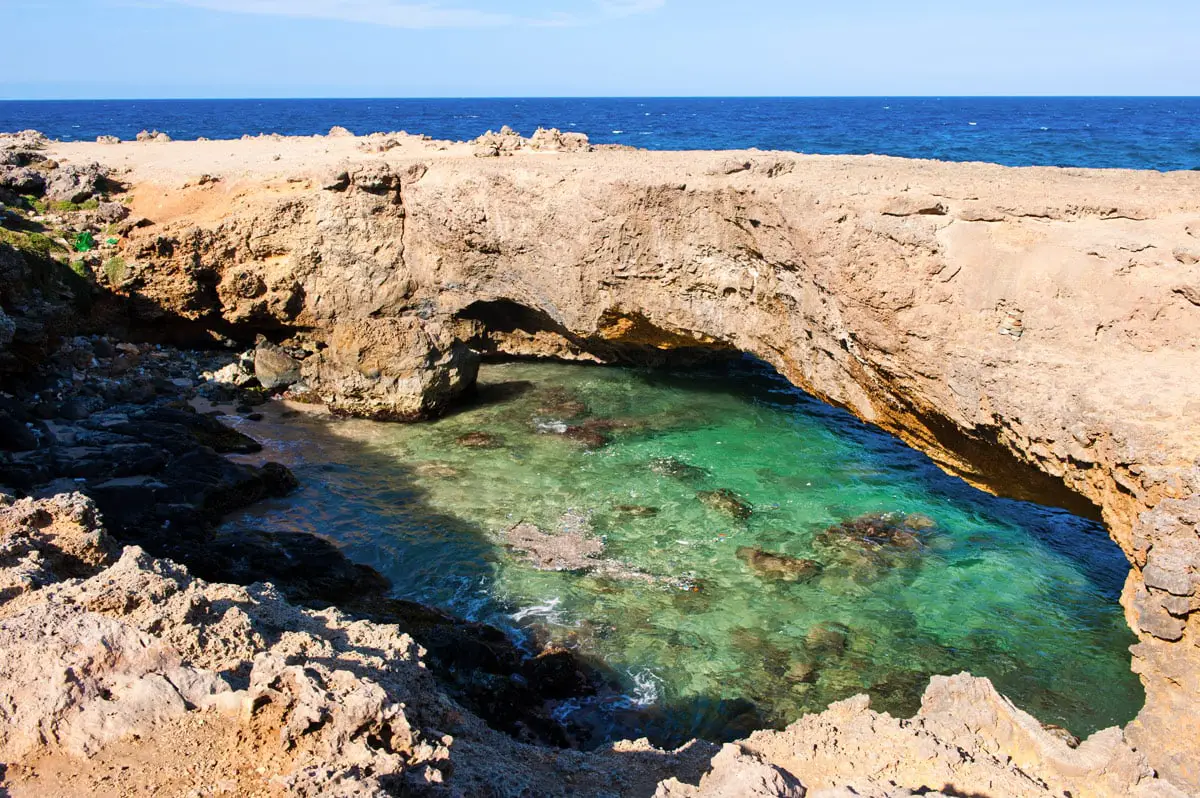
[395,14]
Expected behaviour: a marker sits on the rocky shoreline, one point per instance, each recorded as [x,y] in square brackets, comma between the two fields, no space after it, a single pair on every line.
[373,272]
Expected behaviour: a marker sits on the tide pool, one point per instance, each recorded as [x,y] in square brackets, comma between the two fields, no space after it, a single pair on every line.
[764,554]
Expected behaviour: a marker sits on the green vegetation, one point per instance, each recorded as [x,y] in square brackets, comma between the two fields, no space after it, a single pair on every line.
[68,207]
[115,270]
[80,268]
[60,206]
[36,244]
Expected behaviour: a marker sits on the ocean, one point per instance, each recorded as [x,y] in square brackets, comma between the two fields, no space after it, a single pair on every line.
[1101,132]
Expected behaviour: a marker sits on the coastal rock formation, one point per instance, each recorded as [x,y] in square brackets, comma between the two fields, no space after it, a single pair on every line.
[177,685]
[1033,330]
[391,369]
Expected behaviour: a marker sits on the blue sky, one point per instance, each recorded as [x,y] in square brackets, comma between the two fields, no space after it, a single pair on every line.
[460,48]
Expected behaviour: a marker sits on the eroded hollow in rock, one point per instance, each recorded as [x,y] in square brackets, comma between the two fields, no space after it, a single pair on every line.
[506,329]
[732,552]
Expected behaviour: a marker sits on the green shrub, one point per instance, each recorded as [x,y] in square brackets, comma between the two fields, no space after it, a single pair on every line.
[115,269]
[38,244]
[63,206]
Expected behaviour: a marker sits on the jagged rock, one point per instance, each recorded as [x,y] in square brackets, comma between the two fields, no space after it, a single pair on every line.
[554,140]
[393,369]
[736,774]
[22,180]
[72,183]
[153,135]
[107,140]
[110,213]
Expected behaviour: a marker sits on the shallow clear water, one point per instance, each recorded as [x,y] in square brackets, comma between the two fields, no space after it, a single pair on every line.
[950,580]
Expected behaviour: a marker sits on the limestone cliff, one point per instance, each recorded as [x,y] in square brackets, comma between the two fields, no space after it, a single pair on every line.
[1034,330]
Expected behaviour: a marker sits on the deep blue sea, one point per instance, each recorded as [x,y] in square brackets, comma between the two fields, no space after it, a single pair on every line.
[1135,133]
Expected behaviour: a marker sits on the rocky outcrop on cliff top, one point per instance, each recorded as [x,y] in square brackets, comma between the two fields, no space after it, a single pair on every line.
[509,141]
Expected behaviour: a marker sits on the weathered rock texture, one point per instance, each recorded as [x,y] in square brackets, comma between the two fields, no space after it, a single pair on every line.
[106,652]
[1034,330]
[122,673]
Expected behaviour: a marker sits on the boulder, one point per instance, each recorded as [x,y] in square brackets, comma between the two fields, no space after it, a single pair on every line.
[22,180]
[74,183]
[391,369]
[274,367]
[554,140]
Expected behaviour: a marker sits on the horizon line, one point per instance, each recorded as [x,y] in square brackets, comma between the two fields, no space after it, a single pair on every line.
[625,97]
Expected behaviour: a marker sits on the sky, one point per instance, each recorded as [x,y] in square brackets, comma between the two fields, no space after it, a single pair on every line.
[59,49]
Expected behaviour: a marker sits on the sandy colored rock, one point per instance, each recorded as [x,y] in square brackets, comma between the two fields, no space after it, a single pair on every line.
[1031,329]
[395,369]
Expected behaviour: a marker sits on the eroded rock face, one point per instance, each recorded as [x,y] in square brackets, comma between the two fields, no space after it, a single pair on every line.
[1030,329]
[391,369]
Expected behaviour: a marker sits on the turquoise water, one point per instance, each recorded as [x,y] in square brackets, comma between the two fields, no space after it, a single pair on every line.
[764,554]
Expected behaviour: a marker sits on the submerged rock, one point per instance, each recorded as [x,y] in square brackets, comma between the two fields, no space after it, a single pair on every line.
[779,566]
[479,440]
[572,550]
[437,470]
[874,544]
[559,402]
[827,637]
[677,469]
[726,501]
[391,369]
[637,510]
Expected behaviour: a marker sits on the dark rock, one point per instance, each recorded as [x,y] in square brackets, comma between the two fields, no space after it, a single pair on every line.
[560,403]
[779,566]
[204,479]
[74,410]
[557,674]
[22,180]
[637,510]
[15,436]
[871,545]
[303,566]
[726,501]
[590,437]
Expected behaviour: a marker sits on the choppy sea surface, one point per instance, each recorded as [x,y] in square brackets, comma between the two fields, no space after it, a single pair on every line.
[1132,133]
[851,565]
